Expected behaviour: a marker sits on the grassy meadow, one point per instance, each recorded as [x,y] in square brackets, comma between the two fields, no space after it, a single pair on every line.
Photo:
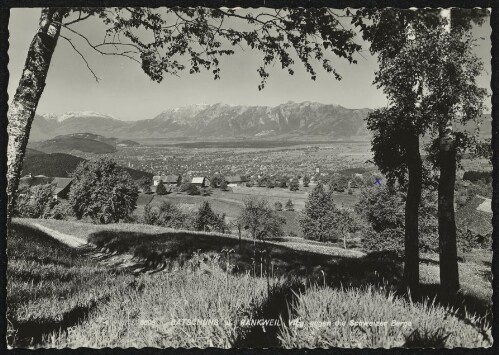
[193,289]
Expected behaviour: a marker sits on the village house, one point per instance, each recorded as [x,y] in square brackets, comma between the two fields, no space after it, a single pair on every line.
[200,181]
[236,180]
[62,186]
[173,180]
[157,178]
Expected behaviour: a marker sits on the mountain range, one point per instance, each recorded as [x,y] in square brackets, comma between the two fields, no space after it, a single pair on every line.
[214,121]
[220,121]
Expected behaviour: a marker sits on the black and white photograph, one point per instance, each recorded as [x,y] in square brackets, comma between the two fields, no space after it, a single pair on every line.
[260,177]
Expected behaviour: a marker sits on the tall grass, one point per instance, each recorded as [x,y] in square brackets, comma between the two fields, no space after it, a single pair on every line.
[51,285]
[323,317]
[204,302]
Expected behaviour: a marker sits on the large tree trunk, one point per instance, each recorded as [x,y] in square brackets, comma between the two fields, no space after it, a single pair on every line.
[23,106]
[415,169]
[449,273]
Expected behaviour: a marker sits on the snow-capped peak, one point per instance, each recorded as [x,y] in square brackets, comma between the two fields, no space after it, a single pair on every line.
[72,114]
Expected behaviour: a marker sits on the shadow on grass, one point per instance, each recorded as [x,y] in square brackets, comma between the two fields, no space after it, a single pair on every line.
[335,271]
[277,307]
[32,333]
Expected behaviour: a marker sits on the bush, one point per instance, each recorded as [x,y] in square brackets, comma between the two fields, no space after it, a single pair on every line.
[36,202]
[467,240]
[161,189]
[306,181]
[166,215]
[224,186]
[289,205]
[60,211]
[476,176]
[261,221]
[102,191]
[293,185]
[193,190]
[207,220]
[278,206]
[144,184]
[383,209]
[390,239]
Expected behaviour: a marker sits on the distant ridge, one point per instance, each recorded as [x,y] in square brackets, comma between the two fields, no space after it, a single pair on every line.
[62,165]
[219,121]
[215,121]
[80,142]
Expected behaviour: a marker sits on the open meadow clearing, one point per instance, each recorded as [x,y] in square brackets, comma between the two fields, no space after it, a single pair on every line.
[219,283]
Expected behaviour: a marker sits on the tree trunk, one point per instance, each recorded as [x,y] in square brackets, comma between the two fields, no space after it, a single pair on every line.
[415,169]
[23,106]
[449,272]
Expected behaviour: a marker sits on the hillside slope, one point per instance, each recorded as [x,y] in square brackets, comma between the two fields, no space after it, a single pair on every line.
[62,165]
[70,143]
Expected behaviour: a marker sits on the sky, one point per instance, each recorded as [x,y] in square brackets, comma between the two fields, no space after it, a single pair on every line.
[125,92]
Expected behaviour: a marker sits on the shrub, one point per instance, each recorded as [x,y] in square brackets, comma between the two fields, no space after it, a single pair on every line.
[161,189]
[207,220]
[102,191]
[289,205]
[467,240]
[383,208]
[306,181]
[224,186]
[476,176]
[60,211]
[216,181]
[36,202]
[193,190]
[165,215]
[144,184]
[278,206]
[293,185]
[390,239]
[260,219]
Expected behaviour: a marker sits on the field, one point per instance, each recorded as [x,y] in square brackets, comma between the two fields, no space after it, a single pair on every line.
[188,289]
[231,202]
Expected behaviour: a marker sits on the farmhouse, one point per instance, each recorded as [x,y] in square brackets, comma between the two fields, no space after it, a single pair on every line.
[62,186]
[200,181]
[173,180]
[233,181]
[157,178]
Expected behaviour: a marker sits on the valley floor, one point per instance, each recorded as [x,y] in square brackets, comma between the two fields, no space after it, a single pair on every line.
[74,284]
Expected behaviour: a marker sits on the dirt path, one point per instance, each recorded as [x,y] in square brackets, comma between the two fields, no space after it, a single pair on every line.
[103,257]
[67,239]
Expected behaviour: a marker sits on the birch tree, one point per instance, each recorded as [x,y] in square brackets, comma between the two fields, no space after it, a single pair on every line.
[169,41]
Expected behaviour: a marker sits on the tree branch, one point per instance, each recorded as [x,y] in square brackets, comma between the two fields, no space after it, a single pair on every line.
[123,54]
[82,57]
[78,19]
